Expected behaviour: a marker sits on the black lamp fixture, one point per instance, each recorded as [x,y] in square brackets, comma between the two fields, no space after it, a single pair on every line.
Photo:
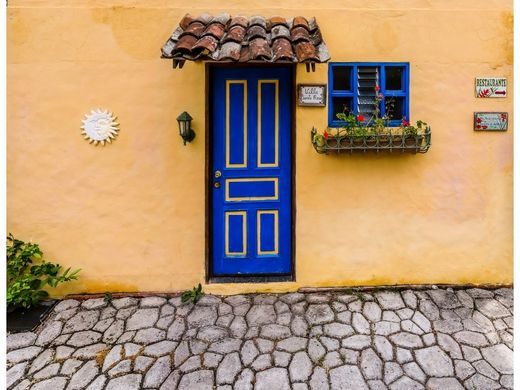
[185,130]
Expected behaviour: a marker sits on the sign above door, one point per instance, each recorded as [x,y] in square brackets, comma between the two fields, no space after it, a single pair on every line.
[246,39]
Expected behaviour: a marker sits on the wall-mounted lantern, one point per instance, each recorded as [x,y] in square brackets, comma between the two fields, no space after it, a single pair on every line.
[185,130]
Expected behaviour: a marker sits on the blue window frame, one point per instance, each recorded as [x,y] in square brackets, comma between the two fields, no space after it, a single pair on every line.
[351,89]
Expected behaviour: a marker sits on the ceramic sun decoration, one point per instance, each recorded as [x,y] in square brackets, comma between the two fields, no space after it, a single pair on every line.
[99,126]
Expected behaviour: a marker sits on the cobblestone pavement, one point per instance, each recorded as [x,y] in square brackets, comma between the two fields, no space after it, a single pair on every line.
[411,339]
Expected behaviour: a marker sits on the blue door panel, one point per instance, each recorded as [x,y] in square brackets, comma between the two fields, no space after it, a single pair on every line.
[251,208]
[237,117]
[267,125]
[252,189]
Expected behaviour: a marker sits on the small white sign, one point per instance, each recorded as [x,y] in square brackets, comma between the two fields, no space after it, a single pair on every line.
[490,87]
[312,94]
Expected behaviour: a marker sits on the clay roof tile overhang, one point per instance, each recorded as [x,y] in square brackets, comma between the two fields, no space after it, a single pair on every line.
[224,38]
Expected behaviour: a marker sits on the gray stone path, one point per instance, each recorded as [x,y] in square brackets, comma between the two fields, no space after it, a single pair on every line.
[434,339]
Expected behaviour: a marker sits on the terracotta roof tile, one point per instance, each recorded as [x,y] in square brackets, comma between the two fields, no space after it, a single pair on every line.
[276,21]
[256,32]
[280,31]
[258,21]
[176,34]
[312,24]
[235,34]
[239,20]
[222,19]
[230,51]
[323,52]
[282,50]
[204,18]
[305,51]
[245,54]
[226,38]
[185,21]
[316,37]
[299,34]
[195,28]
[260,49]
[185,43]
[205,45]
[215,29]
[300,21]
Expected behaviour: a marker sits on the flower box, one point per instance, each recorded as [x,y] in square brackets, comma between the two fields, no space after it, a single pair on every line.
[389,143]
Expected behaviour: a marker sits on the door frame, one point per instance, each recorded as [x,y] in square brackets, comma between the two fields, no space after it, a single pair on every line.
[208,179]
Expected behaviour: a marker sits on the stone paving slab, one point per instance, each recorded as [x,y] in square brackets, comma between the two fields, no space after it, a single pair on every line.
[410,339]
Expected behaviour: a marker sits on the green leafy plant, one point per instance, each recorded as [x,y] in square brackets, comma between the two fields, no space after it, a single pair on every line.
[410,131]
[28,274]
[192,295]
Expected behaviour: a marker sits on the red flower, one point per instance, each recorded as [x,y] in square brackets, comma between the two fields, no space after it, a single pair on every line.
[479,120]
[484,127]
[405,122]
[360,118]
[325,135]
[377,88]
[478,126]
[503,116]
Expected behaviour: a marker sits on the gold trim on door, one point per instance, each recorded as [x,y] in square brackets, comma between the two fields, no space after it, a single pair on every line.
[244,233]
[252,180]
[259,231]
[259,125]
[228,163]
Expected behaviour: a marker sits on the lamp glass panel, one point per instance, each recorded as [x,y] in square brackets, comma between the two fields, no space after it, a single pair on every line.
[183,127]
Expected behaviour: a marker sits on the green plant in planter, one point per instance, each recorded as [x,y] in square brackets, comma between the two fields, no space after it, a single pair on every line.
[351,121]
[318,139]
[409,130]
[28,274]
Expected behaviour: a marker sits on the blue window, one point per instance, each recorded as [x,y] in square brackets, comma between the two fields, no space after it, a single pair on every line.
[352,90]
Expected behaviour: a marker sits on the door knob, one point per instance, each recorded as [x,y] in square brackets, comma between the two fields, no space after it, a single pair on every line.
[218,174]
[216,184]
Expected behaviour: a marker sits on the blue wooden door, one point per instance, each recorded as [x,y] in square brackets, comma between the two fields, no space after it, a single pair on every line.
[251,171]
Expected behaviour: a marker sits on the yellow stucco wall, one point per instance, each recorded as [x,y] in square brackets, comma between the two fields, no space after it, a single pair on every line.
[131,214]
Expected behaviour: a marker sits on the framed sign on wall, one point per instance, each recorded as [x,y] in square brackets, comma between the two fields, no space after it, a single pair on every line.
[490,121]
[490,87]
[312,95]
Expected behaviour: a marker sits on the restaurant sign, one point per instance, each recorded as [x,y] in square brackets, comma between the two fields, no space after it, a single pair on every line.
[490,87]
[312,94]
[486,121]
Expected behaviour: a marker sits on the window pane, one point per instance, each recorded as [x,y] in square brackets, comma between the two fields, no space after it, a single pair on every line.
[394,78]
[394,107]
[341,78]
[341,104]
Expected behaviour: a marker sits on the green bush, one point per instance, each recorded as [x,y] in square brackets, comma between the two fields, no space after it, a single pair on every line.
[28,274]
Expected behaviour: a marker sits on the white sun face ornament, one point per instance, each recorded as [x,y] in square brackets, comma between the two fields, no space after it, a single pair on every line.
[99,126]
